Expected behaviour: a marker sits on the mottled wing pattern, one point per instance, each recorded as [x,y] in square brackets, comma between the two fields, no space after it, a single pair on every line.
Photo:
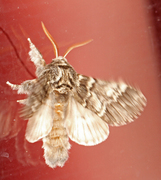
[36,96]
[115,103]
[83,126]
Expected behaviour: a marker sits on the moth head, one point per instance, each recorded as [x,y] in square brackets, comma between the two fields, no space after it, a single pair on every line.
[56,50]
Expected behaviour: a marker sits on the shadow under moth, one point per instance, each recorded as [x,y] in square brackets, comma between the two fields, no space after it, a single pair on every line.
[62,104]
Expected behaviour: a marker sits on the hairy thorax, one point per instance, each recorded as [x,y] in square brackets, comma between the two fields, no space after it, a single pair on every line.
[59,76]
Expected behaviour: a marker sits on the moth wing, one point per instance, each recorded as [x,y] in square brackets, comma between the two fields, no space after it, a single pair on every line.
[83,126]
[115,103]
[40,124]
[36,58]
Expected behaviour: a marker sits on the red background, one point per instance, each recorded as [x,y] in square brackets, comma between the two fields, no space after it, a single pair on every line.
[124,47]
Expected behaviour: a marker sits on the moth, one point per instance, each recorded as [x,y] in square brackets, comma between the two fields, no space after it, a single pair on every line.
[63,104]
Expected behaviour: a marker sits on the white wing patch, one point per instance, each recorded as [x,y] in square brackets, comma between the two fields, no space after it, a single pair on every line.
[40,124]
[83,126]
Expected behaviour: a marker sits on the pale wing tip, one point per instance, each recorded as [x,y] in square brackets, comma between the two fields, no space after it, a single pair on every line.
[89,143]
[33,139]
[33,136]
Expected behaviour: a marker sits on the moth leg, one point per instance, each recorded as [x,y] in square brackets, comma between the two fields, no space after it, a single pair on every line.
[36,58]
[23,88]
[22,101]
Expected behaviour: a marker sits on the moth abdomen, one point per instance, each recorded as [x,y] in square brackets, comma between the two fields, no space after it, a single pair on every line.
[56,143]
